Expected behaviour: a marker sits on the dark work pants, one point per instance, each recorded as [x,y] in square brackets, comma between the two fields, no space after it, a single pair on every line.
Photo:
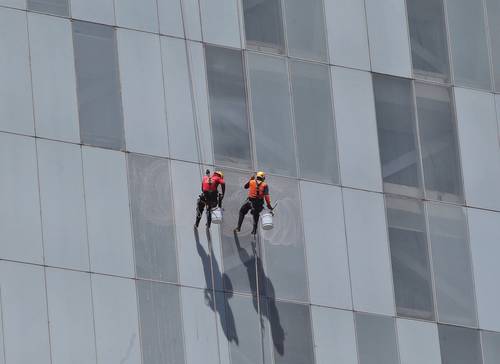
[256,205]
[208,200]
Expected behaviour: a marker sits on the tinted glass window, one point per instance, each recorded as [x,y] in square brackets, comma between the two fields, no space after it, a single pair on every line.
[56,7]
[97,75]
[439,143]
[410,258]
[459,345]
[263,24]
[226,87]
[397,135]
[429,46]
[376,336]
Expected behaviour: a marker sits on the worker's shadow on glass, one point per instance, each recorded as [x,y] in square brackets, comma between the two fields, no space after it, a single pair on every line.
[260,282]
[220,302]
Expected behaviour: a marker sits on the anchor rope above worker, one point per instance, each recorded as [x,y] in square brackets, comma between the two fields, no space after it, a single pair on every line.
[258,192]
[210,198]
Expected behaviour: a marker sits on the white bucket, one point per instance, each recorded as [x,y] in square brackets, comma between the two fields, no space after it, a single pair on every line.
[216,215]
[267,220]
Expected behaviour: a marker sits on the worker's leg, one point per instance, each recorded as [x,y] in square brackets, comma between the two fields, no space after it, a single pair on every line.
[211,204]
[243,211]
[257,208]
[200,206]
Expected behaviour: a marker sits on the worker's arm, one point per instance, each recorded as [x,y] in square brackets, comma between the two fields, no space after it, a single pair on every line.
[267,197]
[247,185]
[222,186]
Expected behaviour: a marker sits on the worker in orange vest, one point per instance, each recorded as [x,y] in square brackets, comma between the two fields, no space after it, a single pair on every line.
[210,196]
[258,191]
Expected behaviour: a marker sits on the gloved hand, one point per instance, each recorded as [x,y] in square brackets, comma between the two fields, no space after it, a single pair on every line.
[252,178]
[270,207]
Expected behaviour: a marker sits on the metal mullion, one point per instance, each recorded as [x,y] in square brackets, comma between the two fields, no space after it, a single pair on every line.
[417,136]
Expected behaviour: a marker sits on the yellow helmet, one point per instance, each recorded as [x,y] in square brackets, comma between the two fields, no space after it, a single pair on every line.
[261,175]
[220,173]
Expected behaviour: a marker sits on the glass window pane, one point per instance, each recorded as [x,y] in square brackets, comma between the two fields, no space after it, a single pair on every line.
[491,347]
[305,27]
[271,114]
[334,336]
[116,319]
[312,105]
[493,10]
[20,223]
[142,91]
[56,7]
[226,87]
[108,212]
[53,76]
[220,22]
[160,322]
[369,261]
[70,316]
[376,336]
[459,345]
[451,260]
[410,258]
[243,329]
[471,65]
[397,135]
[141,15]
[24,314]
[152,218]
[99,11]
[418,342]
[63,205]
[284,245]
[429,45]
[439,143]
[263,24]
[290,325]
[16,98]
[99,99]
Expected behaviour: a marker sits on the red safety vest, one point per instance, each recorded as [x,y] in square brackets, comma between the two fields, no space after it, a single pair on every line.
[210,184]
[257,190]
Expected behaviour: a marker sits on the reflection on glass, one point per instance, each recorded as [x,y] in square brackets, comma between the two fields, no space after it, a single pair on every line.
[312,104]
[226,88]
[451,260]
[305,29]
[429,44]
[410,258]
[376,336]
[264,24]
[152,218]
[471,65]
[459,345]
[397,135]
[98,85]
[271,114]
[439,143]
[56,7]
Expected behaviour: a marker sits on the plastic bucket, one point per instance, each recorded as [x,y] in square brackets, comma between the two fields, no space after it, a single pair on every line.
[267,221]
[216,215]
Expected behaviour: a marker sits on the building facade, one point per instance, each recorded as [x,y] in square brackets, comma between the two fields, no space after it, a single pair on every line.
[376,121]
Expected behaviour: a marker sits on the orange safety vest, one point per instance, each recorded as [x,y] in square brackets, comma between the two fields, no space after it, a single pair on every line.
[256,190]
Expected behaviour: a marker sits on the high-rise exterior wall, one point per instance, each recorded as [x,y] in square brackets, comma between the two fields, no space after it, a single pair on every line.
[376,121]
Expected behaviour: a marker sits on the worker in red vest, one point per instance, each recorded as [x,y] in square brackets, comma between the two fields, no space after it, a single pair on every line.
[258,191]
[210,197]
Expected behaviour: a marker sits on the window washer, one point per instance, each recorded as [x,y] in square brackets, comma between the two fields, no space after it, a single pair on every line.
[210,197]
[258,191]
